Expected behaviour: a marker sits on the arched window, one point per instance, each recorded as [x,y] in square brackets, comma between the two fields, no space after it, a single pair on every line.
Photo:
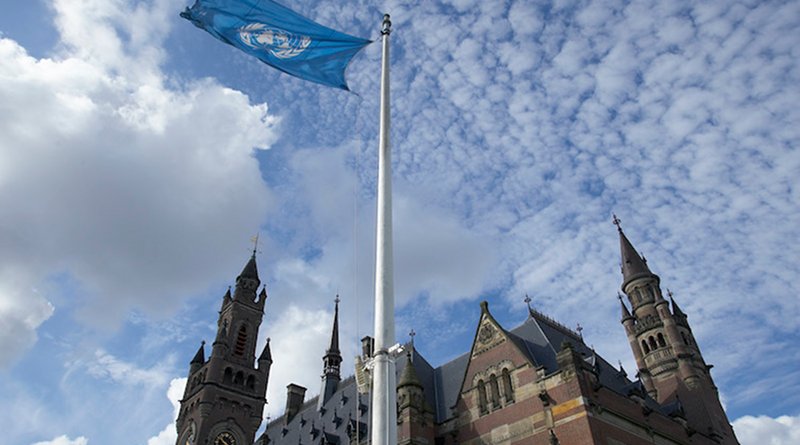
[495,391]
[652,342]
[241,341]
[482,396]
[661,341]
[644,347]
[507,389]
[251,382]
[228,376]
[239,378]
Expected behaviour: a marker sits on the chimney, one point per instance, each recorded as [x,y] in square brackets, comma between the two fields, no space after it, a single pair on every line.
[367,346]
[295,394]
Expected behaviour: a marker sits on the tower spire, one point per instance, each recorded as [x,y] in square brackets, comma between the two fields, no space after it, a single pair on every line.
[247,282]
[675,308]
[633,265]
[334,346]
[333,359]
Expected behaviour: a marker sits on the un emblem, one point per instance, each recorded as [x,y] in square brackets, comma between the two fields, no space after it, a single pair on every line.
[280,43]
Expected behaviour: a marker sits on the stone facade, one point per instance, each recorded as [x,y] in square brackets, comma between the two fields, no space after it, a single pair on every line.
[225,395]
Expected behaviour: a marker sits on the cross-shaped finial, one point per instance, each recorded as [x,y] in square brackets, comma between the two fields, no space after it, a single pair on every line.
[579,328]
[616,221]
[254,240]
[412,334]
[337,299]
[528,301]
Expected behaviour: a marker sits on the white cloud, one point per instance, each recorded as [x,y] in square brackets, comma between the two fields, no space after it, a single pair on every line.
[169,434]
[22,310]
[64,440]
[107,366]
[299,338]
[139,175]
[765,430]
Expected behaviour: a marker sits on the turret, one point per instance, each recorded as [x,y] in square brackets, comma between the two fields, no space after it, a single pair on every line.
[628,321]
[331,375]
[265,359]
[670,364]
[247,282]
[414,414]
[231,372]
[199,359]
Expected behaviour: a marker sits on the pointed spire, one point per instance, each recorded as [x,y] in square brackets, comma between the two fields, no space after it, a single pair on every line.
[227,297]
[247,282]
[250,270]
[626,314]
[334,346]
[676,310]
[409,376]
[200,357]
[633,265]
[199,360]
[332,360]
[266,354]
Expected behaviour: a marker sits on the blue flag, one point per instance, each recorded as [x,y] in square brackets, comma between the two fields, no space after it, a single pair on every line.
[279,37]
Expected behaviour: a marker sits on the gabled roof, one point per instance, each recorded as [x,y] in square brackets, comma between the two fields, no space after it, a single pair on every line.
[539,338]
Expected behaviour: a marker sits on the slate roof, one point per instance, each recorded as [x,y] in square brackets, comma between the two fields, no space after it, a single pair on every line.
[539,337]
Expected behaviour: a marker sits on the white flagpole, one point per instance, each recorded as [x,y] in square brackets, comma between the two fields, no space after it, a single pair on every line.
[384,407]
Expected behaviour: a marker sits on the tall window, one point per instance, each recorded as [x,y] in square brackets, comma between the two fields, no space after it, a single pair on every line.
[661,341]
[652,342]
[495,391]
[482,397]
[507,389]
[241,341]
[645,348]
[228,376]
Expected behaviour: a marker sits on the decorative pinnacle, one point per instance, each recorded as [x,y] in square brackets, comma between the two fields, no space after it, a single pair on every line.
[387,25]
[669,292]
[412,334]
[527,301]
[579,328]
[337,299]
[616,222]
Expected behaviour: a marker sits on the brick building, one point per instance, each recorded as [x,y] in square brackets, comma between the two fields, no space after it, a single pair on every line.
[537,383]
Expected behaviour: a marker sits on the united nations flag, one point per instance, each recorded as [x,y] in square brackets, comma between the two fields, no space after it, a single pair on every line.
[279,37]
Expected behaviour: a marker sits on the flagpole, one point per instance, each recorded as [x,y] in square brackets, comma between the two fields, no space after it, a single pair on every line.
[384,406]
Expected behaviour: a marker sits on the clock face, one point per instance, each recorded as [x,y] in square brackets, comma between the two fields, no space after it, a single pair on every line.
[225,438]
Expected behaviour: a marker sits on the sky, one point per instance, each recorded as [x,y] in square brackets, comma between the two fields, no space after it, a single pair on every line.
[138,156]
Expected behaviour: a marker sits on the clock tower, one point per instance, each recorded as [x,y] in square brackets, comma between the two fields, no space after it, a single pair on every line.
[225,395]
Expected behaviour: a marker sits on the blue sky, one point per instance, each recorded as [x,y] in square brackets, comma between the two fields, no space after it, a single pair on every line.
[138,156]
